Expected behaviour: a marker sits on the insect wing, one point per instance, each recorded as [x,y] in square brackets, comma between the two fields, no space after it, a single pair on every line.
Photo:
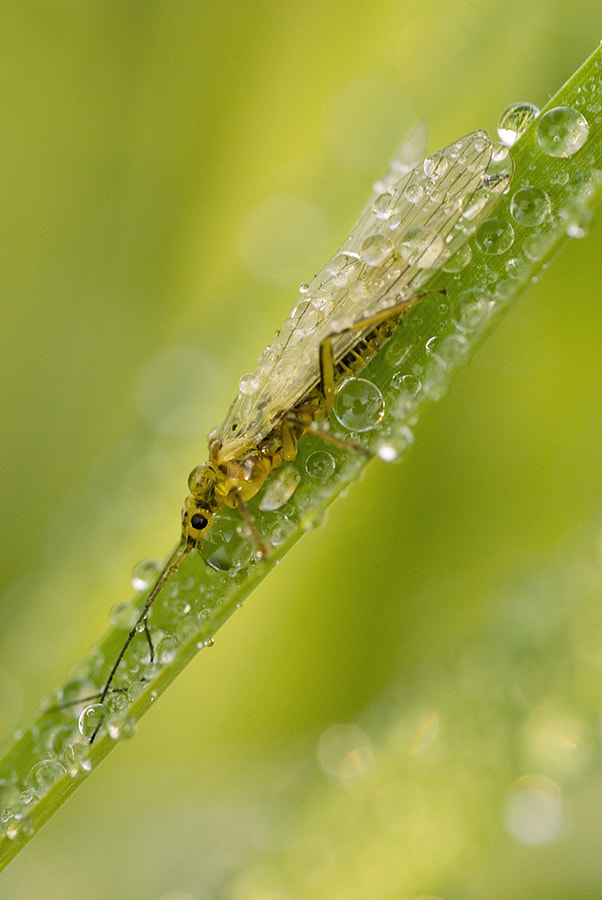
[411,227]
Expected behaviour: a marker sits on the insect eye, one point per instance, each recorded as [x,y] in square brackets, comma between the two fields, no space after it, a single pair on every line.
[199,521]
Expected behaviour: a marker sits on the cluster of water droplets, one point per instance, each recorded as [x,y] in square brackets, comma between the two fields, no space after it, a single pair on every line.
[414,223]
[539,213]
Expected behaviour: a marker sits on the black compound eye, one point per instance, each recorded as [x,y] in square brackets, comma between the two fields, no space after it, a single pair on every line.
[199,521]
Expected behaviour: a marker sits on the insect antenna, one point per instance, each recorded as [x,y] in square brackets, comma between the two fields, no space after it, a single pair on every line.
[171,567]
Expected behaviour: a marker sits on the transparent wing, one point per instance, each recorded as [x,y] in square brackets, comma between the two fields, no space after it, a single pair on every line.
[414,223]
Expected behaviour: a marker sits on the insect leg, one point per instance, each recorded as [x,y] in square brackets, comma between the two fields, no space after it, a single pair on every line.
[262,549]
[327,361]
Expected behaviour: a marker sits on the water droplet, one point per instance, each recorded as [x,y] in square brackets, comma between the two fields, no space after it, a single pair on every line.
[414,193]
[124,615]
[515,120]
[280,488]
[578,227]
[44,775]
[166,650]
[494,236]
[121,727]
[406,382]
[387,451]
[375,249]
[422,248]
[20,826]
[248,384]
[226,548]
[452,348]
[562,131]
[459,260]
[145,573]
[276,528]
[359,405]
[435,166]
[91,717]
[320,465]
[473,310]
[530,206]
[384,205]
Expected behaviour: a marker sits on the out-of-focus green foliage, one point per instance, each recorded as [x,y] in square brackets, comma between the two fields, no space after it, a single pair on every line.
[145,151]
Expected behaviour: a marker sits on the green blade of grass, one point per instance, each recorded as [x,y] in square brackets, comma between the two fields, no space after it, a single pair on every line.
[46,761]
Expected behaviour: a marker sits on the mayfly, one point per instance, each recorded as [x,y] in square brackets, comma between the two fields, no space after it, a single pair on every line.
[414,224]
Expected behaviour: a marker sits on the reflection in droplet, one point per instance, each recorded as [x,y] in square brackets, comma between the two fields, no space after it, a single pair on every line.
[280,488]
[494,236]
[530,206]
[320,465]
[515,120]
[562,131]
[422,248]
[145,573]
[460,260]
[90,718]
[359,405]
[375,249]
[227,548]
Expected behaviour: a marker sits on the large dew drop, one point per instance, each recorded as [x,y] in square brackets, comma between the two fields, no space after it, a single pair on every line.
[422,248]
[494,236]
[359,405]
[515,120]
[530,206]
[562,131]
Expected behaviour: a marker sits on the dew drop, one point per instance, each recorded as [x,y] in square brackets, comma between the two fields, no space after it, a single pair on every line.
[422,248]
[248,384]
[226,548]
[359,405]
[276,528]
[91,717]
[375,248]
[124,615]
[384,205]
[121,727]
[530,206]
[414,193]
[9,794]
[578,227]
[280,488]
[406,382]
[21,826]
[515,120]
[320,465]
[494,236]
[387,452]
[435,166]
[145,573]
[562,131]
[44,775]
[459,260]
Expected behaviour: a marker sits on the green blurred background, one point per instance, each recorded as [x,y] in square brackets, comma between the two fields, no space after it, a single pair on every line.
[171,172]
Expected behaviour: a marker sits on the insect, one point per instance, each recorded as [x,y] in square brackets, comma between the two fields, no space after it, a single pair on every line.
[413,225]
